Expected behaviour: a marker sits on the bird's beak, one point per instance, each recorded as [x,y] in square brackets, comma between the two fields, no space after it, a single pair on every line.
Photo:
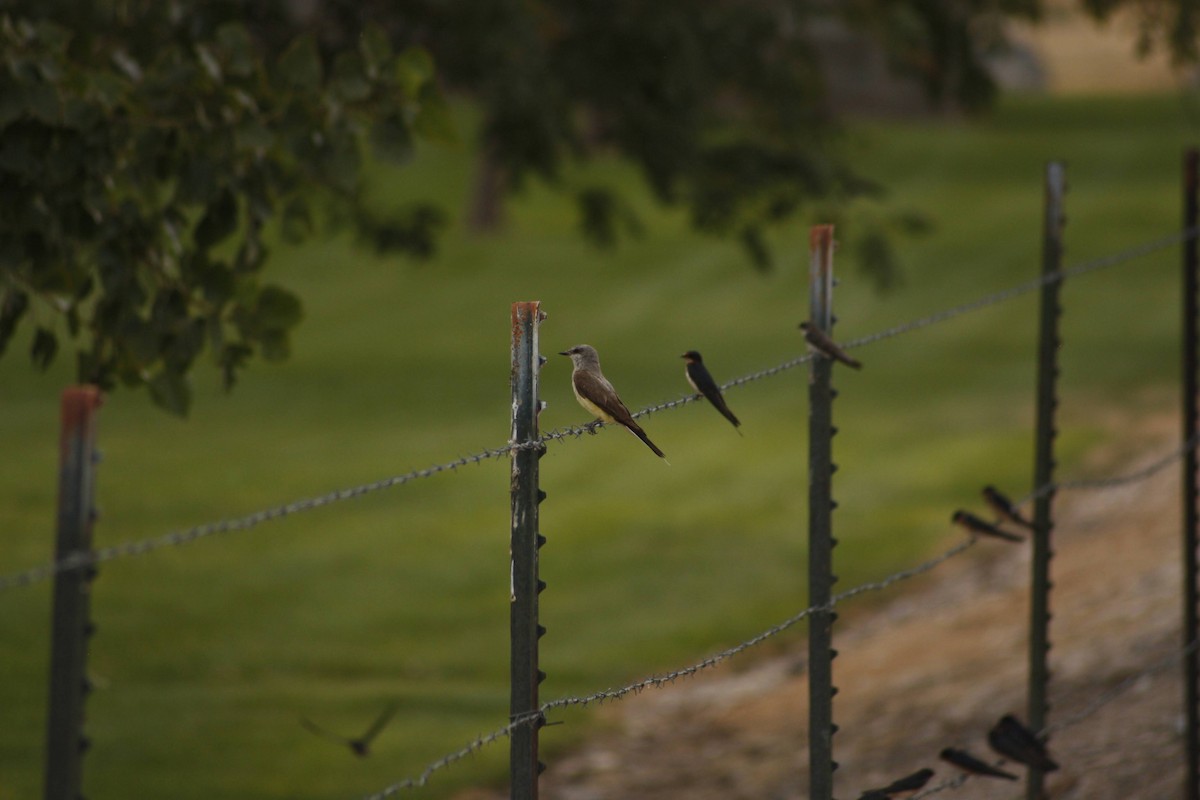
[564,353]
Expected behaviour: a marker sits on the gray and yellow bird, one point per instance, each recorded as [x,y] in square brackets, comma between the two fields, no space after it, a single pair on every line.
[597,395]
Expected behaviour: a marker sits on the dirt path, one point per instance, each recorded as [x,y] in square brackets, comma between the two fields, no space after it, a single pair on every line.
[936,667]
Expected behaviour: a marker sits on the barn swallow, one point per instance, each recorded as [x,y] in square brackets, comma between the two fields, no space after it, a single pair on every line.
[901,787]
[360,746]
[700,379]
[826,346]
[1013,740]
[974,524]
[969,763]
[1004,507]
[597,395]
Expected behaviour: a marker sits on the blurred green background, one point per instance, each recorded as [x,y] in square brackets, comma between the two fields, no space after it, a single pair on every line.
[207,655]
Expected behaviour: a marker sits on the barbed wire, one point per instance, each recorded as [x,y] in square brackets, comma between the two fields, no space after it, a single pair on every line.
[175,538]
[1109,695]
[659,681]
[1121,256]
[1148,471]
[77,561]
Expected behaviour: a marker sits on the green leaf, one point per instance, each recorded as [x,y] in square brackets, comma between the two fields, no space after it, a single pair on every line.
[170,390]
[349,82]
[44,348]
[237,49]
[414,69]
[219,220]
[232,357]
[376,49]
[277,309]
[299,66]
[139,343]
[12,308]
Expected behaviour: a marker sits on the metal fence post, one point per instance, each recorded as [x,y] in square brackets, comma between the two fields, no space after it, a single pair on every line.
[65,742]
[820,532]
[1191,515]
[1043,467]
[525,585]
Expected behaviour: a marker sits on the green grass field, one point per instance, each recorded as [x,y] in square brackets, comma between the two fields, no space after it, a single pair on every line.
[208,654]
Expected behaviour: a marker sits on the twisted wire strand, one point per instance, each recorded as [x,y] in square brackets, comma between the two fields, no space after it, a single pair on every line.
[1111,694]
[1121,256]
[175,538]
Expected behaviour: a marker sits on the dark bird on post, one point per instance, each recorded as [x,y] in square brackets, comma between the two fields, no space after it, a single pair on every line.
[597,395]
[1004,507]
[821,342]
[702,381]
[360,746]
[901,787]
[1013,740]
[973,524]
[969,763]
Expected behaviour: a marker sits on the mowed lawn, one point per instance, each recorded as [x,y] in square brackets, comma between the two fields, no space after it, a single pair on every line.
[208,655]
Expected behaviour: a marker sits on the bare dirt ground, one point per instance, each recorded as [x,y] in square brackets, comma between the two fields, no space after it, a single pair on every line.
[935,666]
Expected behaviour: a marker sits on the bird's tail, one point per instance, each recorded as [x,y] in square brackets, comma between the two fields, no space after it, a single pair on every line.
[636,430]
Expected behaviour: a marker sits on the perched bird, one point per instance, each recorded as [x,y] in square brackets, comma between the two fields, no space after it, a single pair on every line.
[969,763]
[1004,507]
[700,379]
[360,746]
[826,346]
[901,787]
[597,395]
[974,524]
[1013,740]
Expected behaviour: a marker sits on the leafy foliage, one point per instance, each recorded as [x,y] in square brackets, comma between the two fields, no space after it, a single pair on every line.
[145,147]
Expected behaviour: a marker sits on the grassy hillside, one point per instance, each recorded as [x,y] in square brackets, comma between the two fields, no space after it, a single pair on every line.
[207,655]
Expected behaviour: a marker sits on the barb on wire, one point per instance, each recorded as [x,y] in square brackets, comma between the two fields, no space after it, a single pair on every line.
[176,538]
[658,681]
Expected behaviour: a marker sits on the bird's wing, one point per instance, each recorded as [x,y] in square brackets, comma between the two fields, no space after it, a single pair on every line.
[601,393]
[319,731]
[383,719]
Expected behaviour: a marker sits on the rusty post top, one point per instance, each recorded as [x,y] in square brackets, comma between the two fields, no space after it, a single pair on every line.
[77,413]
[820,236]
[531,309]
[78,404]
